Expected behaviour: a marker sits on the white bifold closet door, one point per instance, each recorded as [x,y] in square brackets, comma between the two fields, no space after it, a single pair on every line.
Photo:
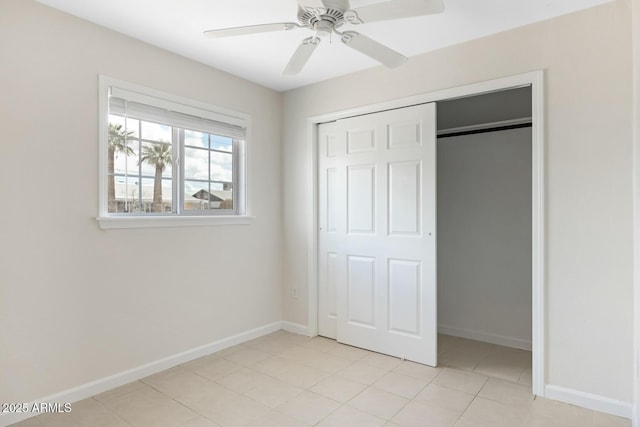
[377,242]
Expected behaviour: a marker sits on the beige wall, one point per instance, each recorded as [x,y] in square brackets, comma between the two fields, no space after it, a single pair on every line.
[636,115]
[76,303]
[75,306]
[587,58]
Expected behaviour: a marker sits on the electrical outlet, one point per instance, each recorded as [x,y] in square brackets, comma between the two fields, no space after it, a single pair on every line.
[294,292]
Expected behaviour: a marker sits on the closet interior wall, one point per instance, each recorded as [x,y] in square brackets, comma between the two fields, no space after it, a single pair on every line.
[484,218]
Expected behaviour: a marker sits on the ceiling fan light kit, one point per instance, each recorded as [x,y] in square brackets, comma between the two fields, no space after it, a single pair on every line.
[325,17]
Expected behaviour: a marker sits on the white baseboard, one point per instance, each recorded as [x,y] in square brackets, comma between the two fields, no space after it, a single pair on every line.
[104,384]
[485,337]
[589,401]
[295,328]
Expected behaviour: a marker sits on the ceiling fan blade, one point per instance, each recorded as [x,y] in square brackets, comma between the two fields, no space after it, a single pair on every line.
[251,29]
[337,4]
[324,4]
[311,4]
[394,9]
[373,49]
[301,56]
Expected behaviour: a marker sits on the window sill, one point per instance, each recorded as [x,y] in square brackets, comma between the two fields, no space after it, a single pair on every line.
[107,223]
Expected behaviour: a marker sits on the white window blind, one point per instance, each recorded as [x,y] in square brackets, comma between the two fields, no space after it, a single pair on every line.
[129,104]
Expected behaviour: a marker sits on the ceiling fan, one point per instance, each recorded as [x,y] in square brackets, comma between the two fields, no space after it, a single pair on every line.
[325,17]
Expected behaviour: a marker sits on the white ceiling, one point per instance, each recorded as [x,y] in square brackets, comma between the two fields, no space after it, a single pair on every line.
[177,25]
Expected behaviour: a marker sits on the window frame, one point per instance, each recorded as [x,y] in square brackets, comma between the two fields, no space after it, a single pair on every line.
[239,214]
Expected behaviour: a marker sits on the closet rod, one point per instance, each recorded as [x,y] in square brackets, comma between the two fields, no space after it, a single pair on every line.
[485,127]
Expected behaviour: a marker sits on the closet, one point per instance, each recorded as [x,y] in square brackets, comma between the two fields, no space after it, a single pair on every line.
[424,232]
[484,233]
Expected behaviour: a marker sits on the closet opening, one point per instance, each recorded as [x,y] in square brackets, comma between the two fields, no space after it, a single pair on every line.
[469,321]
[484,229]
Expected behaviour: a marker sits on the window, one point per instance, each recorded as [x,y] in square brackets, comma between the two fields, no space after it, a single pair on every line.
[167,160]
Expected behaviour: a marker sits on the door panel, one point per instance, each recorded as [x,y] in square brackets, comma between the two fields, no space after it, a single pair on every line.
[332,292]
[377,286]
[404,198]
[361,196]
[331,199]
[331,145]
[404,296]
[404,135]
[360,140]
[361,290]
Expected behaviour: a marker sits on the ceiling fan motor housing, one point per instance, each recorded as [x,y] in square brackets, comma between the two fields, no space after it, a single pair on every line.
[309,17]
[323,21]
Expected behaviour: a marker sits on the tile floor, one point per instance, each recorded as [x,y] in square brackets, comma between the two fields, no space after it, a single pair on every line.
[287,380]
